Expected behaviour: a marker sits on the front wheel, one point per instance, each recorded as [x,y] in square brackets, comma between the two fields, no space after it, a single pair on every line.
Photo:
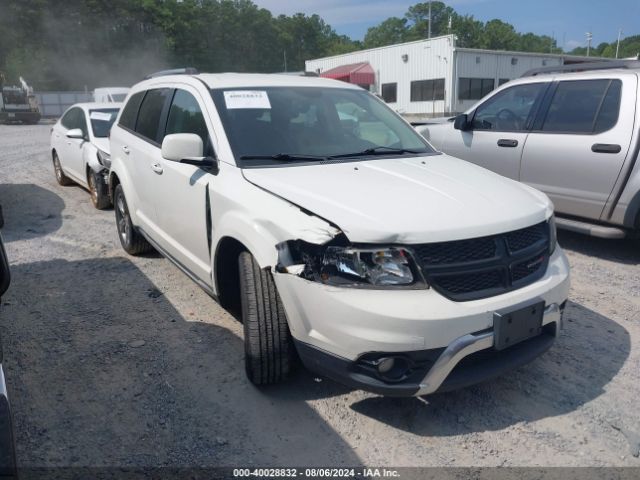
[130,239]
[267,341]
[98,190]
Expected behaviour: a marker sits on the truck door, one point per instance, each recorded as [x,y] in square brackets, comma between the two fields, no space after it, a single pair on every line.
[579,142]
[499,130]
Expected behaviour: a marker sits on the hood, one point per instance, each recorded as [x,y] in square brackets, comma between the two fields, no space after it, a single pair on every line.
[409,200]
[102,144]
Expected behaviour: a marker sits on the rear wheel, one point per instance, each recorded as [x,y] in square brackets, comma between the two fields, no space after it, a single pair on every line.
[98,190]
[267,341]
[60,176]
[130,239]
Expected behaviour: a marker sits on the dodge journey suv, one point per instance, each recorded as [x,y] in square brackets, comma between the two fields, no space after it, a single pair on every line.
[335,232]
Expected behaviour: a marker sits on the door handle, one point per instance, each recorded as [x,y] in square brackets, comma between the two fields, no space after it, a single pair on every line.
[507,142]
[125,149]
[605,148]
[156,167]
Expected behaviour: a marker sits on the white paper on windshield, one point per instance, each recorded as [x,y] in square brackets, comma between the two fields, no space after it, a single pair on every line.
[246,99]
[104,116]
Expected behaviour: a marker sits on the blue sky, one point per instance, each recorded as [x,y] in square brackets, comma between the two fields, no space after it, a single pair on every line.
[567,20]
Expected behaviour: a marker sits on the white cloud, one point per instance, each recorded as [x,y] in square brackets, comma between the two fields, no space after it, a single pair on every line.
[571,44]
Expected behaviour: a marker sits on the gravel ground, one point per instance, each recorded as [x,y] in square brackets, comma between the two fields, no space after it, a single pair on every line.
[113,360]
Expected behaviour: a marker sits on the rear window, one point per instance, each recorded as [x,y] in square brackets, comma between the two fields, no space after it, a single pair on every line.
[130,112]
[148,123]
[101,121]
[584,106]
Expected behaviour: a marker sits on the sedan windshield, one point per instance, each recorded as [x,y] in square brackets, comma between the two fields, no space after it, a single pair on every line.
[302,124]
[101,121]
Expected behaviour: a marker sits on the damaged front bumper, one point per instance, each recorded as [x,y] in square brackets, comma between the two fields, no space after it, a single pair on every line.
[343,332]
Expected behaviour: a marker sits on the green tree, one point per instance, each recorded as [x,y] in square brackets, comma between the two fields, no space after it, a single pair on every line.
[391,31]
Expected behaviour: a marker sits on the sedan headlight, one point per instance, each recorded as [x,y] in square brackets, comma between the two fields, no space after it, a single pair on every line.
[104,158]
[553,234]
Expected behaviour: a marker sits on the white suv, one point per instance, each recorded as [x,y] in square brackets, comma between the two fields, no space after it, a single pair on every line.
[334,230]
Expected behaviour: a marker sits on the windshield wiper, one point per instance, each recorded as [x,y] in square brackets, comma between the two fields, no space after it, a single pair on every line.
[287,157]
[378,151]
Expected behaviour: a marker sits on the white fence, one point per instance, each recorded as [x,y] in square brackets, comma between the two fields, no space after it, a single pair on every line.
[53,104]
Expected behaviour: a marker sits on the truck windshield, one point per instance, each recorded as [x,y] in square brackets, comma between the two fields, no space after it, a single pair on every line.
[101,121]
[276,124]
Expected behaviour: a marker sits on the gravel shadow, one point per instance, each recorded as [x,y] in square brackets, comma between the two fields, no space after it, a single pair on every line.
[622,251]
[103,371]
[574,372]
[29,211]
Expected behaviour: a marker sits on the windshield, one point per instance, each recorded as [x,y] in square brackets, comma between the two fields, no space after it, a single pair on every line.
[118,97]
[101,121]
[300,123]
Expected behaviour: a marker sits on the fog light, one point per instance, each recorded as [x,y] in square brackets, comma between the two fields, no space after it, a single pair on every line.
[386,364]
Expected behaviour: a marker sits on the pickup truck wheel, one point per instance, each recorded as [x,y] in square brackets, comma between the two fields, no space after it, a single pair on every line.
[60,176]
[98,190]
[130,239]
[267,342]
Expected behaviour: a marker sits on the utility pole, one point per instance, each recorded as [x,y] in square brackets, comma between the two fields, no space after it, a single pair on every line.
[589,38]
[618,44]
[429,33]
[284,54]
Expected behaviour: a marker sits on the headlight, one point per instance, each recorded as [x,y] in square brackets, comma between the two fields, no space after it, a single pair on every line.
[104,158]
[553,234]
[380,267]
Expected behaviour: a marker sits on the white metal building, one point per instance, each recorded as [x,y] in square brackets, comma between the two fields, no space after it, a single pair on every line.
[434,77]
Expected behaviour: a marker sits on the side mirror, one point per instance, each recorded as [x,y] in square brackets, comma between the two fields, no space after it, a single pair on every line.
[187,148]
[461,122]
[76,133]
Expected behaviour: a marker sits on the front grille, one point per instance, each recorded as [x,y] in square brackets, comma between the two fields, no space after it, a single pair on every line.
[482,267]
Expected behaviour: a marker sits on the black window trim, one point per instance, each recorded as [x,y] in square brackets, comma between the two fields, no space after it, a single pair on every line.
[543,109]
[395,88]
[433,89]
[533,114]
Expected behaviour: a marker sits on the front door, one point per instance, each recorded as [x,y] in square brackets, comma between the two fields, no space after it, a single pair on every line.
[183,206]
[498,130]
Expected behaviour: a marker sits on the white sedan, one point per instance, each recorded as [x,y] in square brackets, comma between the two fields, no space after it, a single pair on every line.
[80,148]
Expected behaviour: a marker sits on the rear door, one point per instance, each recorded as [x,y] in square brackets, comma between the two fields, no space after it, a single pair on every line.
[499,129]
[142,152]
[579,143]
[183,206]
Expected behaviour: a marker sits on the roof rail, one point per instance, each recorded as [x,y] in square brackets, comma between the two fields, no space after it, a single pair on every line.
[173,71]
[583,67]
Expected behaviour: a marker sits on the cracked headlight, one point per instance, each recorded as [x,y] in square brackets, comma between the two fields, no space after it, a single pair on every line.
[385,266]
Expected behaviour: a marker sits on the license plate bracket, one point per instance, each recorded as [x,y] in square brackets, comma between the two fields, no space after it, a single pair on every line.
[515,326]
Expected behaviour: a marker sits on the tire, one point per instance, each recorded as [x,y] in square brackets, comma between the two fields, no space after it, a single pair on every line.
[57,169]
[131,240]
[98,190]
[268,348]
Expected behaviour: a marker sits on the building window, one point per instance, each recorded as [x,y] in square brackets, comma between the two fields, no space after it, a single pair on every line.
[502,81]
[514,61]
[427,90]
[390,92]
[474,88]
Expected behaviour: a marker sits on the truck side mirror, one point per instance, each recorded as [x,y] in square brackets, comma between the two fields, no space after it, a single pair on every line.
[462,122]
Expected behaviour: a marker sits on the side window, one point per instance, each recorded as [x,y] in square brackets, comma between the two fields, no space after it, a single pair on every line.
[583,106]
[185,116]
[130,111]
[508,110]
[148,124]
[427,90]
[68,120]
